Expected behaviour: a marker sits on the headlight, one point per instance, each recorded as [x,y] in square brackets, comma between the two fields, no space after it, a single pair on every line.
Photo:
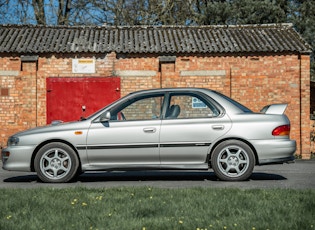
[13,141]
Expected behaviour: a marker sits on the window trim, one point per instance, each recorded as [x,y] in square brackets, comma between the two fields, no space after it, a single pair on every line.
[201,96]
[134,99]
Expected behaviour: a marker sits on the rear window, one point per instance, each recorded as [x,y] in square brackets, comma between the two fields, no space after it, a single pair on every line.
[237,104]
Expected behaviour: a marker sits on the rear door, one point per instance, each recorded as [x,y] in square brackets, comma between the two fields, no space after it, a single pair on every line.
[185,138]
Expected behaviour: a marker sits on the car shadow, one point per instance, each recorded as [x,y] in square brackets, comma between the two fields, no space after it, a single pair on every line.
[166,176]
[266,176]
[21,179]
[147,176]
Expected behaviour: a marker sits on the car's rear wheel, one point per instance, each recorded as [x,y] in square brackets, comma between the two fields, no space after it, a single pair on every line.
[56,162]
[233,160]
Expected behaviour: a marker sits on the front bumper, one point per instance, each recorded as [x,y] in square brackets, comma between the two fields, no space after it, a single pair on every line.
[17,158]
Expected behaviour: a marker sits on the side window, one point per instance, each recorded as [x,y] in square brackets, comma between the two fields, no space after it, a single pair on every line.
[190,106]
[143,109]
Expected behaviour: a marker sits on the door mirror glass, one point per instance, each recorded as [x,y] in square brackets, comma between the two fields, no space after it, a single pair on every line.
[105,117]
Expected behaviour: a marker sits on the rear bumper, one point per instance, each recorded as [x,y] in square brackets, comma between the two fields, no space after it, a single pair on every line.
[277,161]
[275,151]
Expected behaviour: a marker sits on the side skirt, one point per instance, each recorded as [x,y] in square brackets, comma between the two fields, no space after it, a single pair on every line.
[140,167]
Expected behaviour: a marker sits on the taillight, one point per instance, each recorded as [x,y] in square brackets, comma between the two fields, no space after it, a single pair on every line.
[283,130]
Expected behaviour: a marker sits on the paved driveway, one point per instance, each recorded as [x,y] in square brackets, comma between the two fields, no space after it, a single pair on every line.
[299,175]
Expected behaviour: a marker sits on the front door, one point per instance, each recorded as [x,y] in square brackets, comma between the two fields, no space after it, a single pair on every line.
[130,138]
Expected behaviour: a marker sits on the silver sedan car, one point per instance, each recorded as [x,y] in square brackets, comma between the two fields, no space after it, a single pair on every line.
[158,129]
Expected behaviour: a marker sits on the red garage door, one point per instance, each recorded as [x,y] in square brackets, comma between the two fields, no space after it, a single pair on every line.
[68,99]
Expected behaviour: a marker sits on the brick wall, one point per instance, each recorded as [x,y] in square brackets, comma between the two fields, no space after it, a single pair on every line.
[253,80]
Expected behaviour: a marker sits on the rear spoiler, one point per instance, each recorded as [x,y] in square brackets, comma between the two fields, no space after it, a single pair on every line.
[274,109]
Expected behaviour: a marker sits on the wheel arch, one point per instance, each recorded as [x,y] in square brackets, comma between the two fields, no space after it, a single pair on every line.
[233,138]
[51,141]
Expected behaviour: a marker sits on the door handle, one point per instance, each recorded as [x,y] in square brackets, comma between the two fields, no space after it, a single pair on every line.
[149,130]
[218,127]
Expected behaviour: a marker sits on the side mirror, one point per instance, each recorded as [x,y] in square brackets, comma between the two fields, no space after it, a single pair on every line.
[105,117]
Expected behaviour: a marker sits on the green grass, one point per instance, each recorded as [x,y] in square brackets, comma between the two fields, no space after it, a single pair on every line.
[156,208]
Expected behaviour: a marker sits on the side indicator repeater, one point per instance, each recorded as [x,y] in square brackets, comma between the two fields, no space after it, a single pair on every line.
[78,132]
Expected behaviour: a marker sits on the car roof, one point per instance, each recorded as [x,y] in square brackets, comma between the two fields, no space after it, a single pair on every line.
[180,89]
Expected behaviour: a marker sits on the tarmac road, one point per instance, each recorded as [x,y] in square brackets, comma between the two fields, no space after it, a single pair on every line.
[298,175]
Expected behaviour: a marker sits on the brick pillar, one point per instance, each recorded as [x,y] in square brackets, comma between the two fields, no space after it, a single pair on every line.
[26,102]
[305,141]
[168,75]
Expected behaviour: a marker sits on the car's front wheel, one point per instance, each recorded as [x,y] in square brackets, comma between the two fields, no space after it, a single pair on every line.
[233,160]
[56,162]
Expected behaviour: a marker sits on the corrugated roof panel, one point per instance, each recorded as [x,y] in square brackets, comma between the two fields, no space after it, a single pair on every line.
[160,41]
[150,37]
[6,37]
[108,38]
[135,41]
[235,40]
[226,42]
[247,42]
[184,41]
[157,45]
[168,41]
[295,40]
[177,40]
[193,43]
[38,40]
[212,41]
[256,40]
[17,41]
[199,37]
[221,39]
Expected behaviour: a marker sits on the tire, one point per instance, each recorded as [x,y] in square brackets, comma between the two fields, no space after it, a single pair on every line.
[233,160]
[56,163]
